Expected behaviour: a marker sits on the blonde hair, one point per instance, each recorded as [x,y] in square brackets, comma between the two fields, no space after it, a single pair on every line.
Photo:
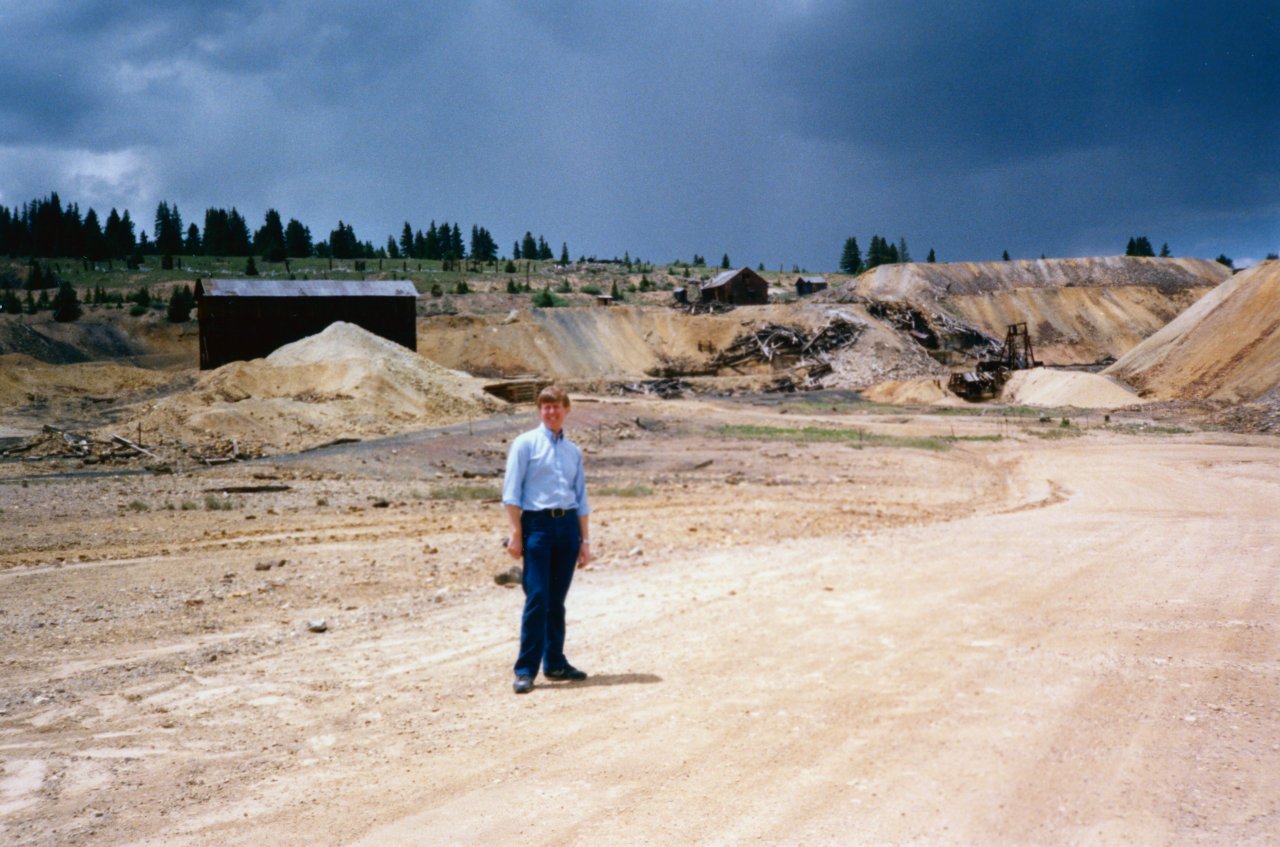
[555,395]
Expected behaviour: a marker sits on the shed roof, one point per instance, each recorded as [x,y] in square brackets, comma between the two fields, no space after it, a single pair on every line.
[811,279]
[305,288]
[724,277]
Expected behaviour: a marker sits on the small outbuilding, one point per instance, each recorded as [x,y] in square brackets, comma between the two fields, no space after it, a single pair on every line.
[807,285]
[741,287]
[244,319]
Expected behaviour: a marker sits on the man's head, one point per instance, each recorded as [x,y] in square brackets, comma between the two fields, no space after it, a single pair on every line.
[553,407]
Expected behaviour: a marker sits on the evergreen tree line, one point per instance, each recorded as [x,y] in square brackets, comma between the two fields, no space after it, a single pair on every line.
[46,228]
[443,243]
[539,250]
[1141,246]
[881,251]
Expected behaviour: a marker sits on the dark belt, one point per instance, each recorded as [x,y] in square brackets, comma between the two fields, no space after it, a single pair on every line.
[553,513]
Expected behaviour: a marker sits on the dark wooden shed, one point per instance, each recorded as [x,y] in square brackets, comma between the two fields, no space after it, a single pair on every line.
[741,287]
[249,318]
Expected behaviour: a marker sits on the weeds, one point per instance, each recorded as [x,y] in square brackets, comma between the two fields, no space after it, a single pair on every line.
[635,489]
[465,492]
[217,504]
[138,506]
[856,438]
[188,505]
[1055,434]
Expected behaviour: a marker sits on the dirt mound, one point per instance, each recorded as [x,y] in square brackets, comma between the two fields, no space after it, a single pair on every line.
[343,382]
[1225,347]
[1077,310]
[627,343]
[26,380]
[1052,389]
[101,334]
[930,391]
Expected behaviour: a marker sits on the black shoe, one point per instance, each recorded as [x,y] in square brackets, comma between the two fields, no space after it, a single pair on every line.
[568,672]
[523,683]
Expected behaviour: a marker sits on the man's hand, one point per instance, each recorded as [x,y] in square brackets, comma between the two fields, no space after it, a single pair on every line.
[584,554]
[515,546]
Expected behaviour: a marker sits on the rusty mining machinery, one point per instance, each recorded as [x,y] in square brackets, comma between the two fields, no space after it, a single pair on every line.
[993,369]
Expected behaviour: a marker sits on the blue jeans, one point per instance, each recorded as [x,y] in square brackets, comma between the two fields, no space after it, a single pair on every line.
[550,557]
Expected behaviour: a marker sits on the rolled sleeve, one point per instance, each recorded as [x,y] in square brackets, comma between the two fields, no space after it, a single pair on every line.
[513,482]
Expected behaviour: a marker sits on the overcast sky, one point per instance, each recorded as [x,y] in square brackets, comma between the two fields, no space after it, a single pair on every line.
[768,130]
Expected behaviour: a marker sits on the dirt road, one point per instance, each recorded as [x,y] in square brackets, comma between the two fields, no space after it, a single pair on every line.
[1015,641]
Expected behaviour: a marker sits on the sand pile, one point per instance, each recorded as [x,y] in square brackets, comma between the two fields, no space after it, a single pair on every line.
[1225,347]
[925,391]
[343,382]
[1052,389]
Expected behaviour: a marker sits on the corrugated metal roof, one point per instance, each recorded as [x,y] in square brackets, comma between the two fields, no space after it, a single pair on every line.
[307,288]
[813,278]
[721,278]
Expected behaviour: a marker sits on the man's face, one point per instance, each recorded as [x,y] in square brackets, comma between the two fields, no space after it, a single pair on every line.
[553,415]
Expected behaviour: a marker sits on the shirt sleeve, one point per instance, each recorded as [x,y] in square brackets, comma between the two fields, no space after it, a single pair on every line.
[513,482]
[580,488]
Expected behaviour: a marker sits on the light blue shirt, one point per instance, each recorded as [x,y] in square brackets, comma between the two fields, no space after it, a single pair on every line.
[544,471]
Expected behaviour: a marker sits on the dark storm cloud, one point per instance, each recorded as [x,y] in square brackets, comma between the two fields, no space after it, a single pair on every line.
[1178,102]
[771,131]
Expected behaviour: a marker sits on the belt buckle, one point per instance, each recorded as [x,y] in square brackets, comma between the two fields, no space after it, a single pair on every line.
[558,513]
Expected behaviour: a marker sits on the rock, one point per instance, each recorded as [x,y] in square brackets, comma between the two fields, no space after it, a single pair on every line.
[318,625]
[512,316]
[263,566]
[511,576]
[636,551]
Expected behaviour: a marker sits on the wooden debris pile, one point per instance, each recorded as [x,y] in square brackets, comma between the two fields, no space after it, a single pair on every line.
[666,389]
[55,443]
[808,356]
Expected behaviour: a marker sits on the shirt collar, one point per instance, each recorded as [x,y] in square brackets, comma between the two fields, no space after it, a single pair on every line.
[547,431]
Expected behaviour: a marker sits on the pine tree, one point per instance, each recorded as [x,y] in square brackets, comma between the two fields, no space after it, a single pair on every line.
[168,229]
[1005,255]
[1164,251]
[931,258]
[94,242]
[903,255]
[192,246]
[851,257]
[250,269]
[406,241]
[297,240]
[564,252]
[238,243]
[181,301]
[529,247]
[724,263]
[268,241]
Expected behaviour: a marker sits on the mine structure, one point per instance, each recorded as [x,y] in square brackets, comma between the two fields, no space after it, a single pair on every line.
[993,369]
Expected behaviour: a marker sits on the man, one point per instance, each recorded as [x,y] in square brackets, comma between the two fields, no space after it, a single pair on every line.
[545,498]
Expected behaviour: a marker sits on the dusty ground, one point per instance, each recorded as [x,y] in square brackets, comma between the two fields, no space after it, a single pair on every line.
[1062,636]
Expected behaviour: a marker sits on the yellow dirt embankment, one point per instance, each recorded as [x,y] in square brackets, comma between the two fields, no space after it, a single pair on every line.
[1077,310]
[1225,347]
[343,382]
